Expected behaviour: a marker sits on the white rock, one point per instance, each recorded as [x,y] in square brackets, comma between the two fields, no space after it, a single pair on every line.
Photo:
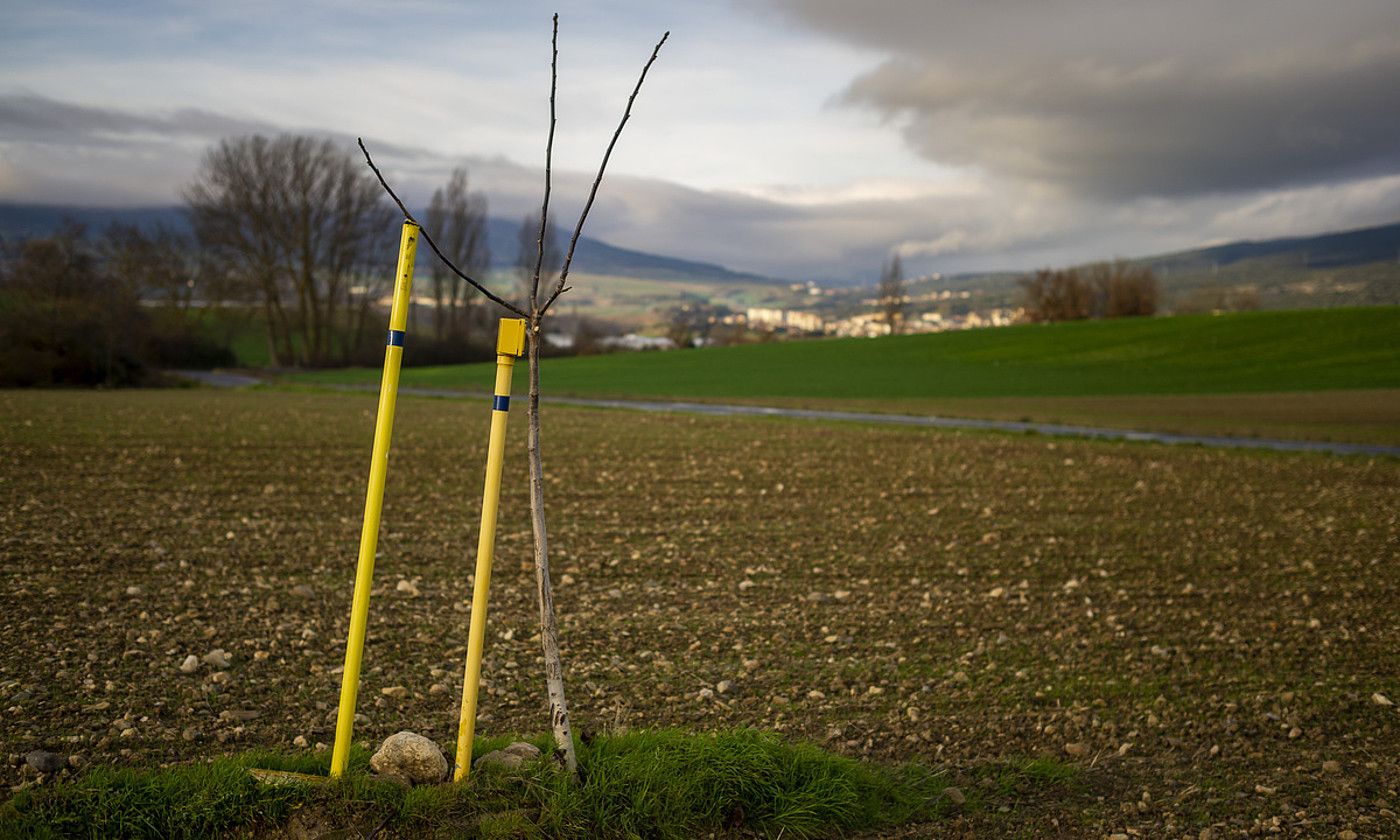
[706,694]
[218,657]
[1381,700]
[724,686]
[190,665]
[411,757]
[397,692]
[407,587]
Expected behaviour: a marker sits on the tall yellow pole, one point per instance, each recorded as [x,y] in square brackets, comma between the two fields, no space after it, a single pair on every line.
[510,345]
[374,500]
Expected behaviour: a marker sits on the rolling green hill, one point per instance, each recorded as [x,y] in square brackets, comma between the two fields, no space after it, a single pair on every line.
[1196,354]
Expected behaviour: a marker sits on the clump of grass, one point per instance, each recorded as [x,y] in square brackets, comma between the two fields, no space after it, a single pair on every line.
[672,784]
[194,801]
[663,784]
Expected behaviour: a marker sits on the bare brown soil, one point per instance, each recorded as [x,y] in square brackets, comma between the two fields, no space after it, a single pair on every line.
[1207,636]
[1348,416]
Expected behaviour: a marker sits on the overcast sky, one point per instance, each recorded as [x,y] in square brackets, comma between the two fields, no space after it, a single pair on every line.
[802,138]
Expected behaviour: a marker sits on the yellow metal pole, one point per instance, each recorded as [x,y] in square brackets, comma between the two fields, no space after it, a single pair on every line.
[374,500]
[510,345]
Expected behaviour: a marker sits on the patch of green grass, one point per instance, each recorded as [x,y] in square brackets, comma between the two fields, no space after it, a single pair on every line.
[670,784]
[664,784]
[195,801]
[1232,353]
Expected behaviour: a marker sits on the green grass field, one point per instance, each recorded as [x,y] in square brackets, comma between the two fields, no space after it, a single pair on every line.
[1336,373]
[1243,352]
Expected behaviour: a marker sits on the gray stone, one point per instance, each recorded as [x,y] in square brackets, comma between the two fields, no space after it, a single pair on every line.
[512,757]
[303,591]
[239,715]
[724,686]
[190,665]
[218,658]
[529,752]
[45,761]
[410,757]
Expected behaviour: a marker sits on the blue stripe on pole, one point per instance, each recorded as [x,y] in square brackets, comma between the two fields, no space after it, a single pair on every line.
[500,403]
[395,338]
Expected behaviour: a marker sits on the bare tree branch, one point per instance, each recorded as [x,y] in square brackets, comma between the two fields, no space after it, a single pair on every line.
[548,168]
[593,193]
[429,239]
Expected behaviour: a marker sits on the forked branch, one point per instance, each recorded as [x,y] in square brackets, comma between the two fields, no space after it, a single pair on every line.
[548,169]
[559,287]
[427,237]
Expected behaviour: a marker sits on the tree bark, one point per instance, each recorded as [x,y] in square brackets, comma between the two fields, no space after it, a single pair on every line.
[549,627]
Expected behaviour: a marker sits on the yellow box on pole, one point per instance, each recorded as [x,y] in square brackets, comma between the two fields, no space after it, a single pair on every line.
[510,344]
[374,500]
[510,341]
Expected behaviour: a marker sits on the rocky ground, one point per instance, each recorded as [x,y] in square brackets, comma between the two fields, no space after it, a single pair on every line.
[1209,638]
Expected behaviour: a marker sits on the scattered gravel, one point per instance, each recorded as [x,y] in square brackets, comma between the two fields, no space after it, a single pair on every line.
[1157,602]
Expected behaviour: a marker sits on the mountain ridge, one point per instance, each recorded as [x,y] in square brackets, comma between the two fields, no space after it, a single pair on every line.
[594,256]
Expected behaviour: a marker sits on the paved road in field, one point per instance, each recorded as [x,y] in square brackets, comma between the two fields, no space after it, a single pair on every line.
[218,378]
[1219,441]
[235,380]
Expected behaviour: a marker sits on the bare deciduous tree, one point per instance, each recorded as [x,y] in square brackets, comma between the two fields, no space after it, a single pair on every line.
[528,253]
[299,226]
[159,265]
[65,321]
[1124,290]
[892,293]
[1103,290]
[459,216]
[536,306]
[1056,295]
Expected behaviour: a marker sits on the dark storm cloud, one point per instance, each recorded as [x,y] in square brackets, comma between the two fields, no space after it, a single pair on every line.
[53,151]
[61,152]
[29,118]
[1119,99]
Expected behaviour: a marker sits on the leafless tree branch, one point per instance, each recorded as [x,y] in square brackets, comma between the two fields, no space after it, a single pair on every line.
[429,239]
[548,167]
[593,193]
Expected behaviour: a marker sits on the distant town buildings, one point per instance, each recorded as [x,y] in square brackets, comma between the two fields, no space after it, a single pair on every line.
[632,341]
[872,324]
[790,320]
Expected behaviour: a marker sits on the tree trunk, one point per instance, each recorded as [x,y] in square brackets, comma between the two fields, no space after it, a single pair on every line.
[549,628]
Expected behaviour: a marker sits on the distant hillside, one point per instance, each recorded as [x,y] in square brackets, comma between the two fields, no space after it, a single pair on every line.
[597,257]
[1347,268]
[1330,250]
[18,221]
[594,256]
